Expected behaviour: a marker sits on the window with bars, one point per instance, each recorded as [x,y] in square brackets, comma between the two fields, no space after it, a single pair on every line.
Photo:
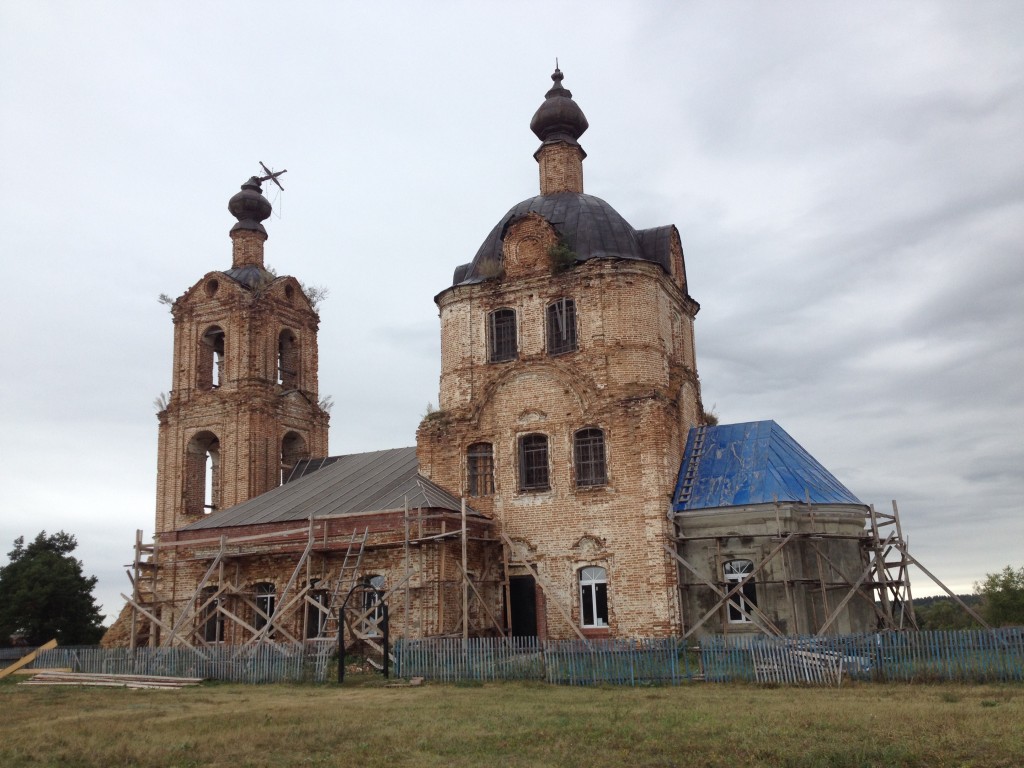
[561,322]
[741,603]
[593,596]
[480,469]
[533,463]
[501,335]
[588,455]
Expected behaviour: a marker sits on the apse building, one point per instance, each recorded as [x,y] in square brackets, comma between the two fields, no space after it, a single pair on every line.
[570,483]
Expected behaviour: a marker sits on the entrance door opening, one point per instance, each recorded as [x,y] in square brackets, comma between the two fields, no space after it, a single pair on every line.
[522,595]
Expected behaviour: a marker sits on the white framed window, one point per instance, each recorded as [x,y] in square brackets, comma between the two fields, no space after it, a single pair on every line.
[593,596]
[740,604]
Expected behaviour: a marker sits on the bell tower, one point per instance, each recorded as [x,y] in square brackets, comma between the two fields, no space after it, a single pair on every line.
[244,406]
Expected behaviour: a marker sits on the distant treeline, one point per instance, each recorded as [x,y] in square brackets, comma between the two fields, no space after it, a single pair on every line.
[942,612]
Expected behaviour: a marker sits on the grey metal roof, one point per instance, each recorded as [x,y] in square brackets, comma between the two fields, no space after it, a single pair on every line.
[589,226]
[753,463]
[379,481]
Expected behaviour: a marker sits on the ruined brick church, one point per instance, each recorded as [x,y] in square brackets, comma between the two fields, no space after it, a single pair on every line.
[570,483]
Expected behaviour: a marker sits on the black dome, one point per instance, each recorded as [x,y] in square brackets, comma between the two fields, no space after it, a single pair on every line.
[588,225]
[559,118]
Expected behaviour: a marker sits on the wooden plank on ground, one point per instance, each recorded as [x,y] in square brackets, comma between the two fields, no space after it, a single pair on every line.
[28,659]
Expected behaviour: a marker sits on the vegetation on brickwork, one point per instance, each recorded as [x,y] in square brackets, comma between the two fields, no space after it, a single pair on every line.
[161,401]
[562,257]
[513,724]
[166,300]
[710,417]
[434,418]
[45,594]
[490,270]
[326,403]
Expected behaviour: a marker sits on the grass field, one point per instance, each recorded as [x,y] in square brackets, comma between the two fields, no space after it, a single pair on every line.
[512,724]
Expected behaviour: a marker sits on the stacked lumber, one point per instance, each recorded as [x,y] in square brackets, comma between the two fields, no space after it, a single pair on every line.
[111,681]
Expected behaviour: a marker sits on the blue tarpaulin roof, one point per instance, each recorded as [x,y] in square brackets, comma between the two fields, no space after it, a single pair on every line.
[754,463]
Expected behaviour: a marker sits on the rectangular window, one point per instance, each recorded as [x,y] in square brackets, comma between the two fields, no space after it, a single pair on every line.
[741,603]
[501,336]
[480,469]
[533,463]
[588,455]
[561,327]
[264,605]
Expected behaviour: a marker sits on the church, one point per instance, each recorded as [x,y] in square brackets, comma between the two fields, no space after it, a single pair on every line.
[569,485]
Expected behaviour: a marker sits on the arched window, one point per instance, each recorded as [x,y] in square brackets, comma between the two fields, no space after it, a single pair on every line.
[501,336]
[372,606]
[480,469]
[740,604]
[588,457]
[533,463]
[212,619]
[293,450]
[202,474]
[288,360]
[210,360]
[264,597]
[561,327]
[593,596]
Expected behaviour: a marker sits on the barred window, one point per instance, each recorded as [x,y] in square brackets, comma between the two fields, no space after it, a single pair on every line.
[533,463]
[588,453]
[562,327]
[480,469]
[501,335]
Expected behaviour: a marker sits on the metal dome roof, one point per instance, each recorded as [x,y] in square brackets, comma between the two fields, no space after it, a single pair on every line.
[588,225]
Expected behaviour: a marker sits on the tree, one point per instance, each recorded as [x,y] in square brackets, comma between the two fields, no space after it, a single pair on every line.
[1002,597]
[44,594]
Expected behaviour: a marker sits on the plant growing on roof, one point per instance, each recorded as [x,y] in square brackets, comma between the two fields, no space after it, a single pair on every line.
[562,256]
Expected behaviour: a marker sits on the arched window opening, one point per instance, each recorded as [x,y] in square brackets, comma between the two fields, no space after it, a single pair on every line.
[533,463]
[293,450]
[212,619]
[741,604]
[501,336]
[202,489]
[593,596]
[264,597]
[373,608]
[288,360]
[480,469]
[210,362]
[589,460]
[316,613]
[561,327]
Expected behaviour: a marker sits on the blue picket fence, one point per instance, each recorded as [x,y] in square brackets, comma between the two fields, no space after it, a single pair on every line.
[961,656]
[261,663]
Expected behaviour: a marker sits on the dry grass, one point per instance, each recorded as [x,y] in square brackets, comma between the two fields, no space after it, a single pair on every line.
[513,725]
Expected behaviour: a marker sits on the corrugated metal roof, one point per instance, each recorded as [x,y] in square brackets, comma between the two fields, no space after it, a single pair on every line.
[589,226]
[754,463]
[379,481]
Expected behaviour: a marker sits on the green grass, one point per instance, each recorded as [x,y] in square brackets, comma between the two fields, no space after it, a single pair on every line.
[513,724]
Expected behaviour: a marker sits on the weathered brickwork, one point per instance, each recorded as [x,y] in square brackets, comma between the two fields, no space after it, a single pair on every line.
[561,168]
[244,389]
[633,376]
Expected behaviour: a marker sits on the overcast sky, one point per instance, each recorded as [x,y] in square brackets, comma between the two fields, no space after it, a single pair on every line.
[847,179]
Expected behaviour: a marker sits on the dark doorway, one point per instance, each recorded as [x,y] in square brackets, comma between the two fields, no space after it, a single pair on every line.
[522,594]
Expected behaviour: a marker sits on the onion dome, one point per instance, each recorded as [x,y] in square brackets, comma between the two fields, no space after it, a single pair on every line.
[559,118]
[250,207]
